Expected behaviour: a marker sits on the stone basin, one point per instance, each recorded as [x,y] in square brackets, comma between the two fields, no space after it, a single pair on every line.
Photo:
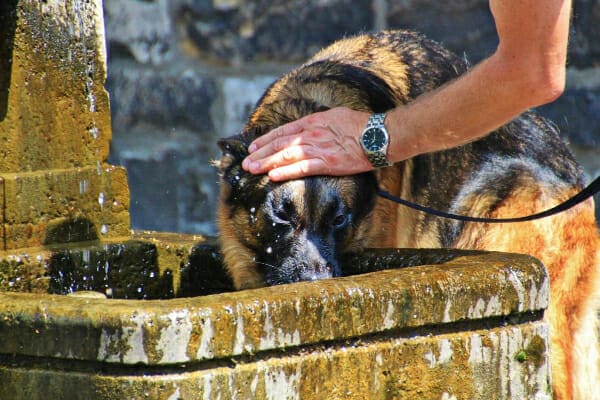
[90,311]
[424,324]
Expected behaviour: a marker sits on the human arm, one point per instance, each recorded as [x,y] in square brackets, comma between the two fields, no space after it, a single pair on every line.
[526,70]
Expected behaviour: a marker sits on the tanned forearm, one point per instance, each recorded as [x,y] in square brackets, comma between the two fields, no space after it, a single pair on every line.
[520,75]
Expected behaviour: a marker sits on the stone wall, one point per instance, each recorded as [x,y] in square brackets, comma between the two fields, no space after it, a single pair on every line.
[184,72]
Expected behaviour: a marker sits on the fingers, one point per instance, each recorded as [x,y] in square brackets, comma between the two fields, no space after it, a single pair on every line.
[318,144]
[292,128]
[269,157]
[301,169]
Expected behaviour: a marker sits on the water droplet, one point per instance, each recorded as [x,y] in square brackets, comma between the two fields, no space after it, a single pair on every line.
[253,210]
[101,199]
[104,229]
[83,186]
[269,250]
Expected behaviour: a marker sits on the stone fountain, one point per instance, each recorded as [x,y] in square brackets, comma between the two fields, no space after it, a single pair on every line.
[91,310]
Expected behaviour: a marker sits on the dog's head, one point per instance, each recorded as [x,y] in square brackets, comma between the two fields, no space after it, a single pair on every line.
[291,231]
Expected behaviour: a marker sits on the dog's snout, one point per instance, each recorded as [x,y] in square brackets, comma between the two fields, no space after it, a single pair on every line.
[316,271]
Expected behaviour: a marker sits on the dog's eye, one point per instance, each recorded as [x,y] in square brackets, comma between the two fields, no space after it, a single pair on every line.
[339,221]
[284,214]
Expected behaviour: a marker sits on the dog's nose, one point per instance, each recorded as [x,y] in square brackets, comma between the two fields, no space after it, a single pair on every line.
[317,271]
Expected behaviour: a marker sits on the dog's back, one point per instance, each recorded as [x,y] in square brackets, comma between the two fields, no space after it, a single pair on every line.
[521,169]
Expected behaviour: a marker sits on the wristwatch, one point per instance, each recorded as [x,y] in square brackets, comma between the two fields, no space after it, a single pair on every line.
[374,141]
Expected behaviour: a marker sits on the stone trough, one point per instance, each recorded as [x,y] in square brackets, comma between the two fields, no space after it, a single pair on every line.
[90,310]
[464,325]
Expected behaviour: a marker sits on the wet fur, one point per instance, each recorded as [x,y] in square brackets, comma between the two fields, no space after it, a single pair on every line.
[522,168]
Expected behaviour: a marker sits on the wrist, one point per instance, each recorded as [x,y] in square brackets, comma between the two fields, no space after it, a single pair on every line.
[403,144]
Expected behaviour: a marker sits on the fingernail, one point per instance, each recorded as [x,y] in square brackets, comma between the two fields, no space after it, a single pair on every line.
[251,166]
[274,175]
[252,148]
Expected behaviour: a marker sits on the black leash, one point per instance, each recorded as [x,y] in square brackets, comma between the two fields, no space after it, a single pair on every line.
[586,193]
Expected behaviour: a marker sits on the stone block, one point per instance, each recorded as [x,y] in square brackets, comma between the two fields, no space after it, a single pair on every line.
[240,95]
[54,111]
[166,100]
[417,368]
[584,46]
[465,27]
[238,33]
[173,185]
[143,28]
[70,205]
[2,201]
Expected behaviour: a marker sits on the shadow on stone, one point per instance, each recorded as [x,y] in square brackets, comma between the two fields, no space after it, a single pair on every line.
[381,259]
[8,23]
[204,273]
[70,230]
[127,270]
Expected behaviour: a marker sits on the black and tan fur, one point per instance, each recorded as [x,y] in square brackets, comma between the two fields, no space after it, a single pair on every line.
[285,232]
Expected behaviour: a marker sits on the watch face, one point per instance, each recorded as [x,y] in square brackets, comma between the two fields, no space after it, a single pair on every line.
[374,139]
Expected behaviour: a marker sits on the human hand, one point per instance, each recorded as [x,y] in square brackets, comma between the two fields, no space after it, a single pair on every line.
[323,143]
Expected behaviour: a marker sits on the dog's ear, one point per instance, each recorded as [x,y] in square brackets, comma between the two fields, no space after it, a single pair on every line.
[243,185]
[234,148]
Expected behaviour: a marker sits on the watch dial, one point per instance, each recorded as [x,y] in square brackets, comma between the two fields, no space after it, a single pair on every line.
[374,139]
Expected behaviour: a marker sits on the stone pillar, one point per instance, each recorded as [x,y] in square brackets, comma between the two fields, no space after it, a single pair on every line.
[55,184]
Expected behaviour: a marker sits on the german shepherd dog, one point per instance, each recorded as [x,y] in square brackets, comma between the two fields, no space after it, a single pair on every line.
[274,233]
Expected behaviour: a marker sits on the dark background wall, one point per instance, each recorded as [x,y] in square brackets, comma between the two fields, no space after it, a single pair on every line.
[183,73]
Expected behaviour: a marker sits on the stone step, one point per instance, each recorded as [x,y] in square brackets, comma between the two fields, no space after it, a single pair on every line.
[65,205]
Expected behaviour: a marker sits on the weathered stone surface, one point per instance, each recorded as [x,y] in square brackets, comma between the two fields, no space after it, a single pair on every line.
[237,33]
[469,287]
[144,28]
[173,186]
[50,206]
[145,265]
[469,326]
[464,26]
[240,95]
[584,46]
[170,100]
[55,111]
[166,140]
[55,127]
[467,26]
[478,365]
